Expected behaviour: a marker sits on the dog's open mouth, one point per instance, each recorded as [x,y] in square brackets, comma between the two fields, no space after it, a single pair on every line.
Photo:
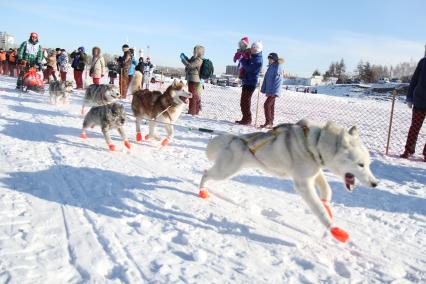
[184,99]
[349,181]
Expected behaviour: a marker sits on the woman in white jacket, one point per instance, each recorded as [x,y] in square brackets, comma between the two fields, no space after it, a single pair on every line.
[97,68]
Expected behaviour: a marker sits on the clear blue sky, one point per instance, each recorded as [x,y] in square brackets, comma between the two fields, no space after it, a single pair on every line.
[308,34]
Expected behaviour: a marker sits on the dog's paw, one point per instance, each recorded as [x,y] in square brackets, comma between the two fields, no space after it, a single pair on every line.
[138,137]
[83,135]
[127,144]
[111,147]
[165,142]
[203,193]
[339,234]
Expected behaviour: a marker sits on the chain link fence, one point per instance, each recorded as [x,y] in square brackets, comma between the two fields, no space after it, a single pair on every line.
[371,114]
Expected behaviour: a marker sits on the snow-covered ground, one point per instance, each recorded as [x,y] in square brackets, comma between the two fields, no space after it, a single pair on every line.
[73,212]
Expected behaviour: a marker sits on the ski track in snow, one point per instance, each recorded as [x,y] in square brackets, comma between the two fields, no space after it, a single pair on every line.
[73,212]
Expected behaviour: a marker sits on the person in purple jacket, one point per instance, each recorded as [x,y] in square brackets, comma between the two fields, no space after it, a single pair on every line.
[271,87]
[416,100]
[252,67]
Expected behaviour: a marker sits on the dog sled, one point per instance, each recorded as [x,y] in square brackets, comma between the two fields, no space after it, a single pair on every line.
[32,81]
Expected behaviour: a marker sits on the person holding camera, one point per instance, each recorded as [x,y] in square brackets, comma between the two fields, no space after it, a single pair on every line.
[79,59]
[30,54]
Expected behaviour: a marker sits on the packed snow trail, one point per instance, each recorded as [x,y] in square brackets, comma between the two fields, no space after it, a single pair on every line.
[73,212]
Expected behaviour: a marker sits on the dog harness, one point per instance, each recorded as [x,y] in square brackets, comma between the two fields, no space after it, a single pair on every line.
[272,135]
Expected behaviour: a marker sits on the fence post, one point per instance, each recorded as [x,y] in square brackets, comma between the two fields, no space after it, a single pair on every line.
[257,104]
[394,94]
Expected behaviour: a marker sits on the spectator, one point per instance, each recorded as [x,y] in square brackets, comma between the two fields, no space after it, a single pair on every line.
[192,70]
[133,64]
[416,99]
[252,67]
[97,68]
[139,67]
[125,61]
[3,62]
[271,87]
[30,54]
[79,59]
[63,64]
[11,60]
[113,69]
[58,53]
[50,66]
[147,70]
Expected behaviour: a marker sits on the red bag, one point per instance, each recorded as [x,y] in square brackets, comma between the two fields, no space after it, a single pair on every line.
[32,79]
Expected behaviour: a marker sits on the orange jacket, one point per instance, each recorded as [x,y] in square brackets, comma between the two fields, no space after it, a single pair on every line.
[3,56]
[12,57]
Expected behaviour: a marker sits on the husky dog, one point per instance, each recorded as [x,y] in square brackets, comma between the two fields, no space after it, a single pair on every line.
[60,90]
[156,106]
[107,117]
[300,151]
[99,95]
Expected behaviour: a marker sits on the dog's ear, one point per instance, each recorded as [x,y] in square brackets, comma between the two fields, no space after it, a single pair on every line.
[174,84]
[354,131]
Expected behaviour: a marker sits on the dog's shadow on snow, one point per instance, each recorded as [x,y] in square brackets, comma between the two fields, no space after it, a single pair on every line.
[363,197]
[118,195]
[43,132]
[42,112]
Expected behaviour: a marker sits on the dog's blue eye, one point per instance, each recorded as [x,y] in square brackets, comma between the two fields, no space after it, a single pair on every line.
[361,165]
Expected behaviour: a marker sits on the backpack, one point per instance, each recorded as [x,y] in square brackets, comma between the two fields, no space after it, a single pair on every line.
[207,69]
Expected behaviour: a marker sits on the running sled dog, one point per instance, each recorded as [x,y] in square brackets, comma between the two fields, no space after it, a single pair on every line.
[99,95]
[157,107]
[300,151]
[60,90]
[107,117]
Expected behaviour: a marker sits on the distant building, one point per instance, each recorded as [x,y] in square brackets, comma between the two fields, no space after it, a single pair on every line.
[297,81]
[316,80]
[232,70]
[6,40]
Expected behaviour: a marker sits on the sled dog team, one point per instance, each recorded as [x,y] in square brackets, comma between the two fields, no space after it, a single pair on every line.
[300,151]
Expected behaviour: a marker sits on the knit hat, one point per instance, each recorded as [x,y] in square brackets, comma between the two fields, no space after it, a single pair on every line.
[244,42]
[257,46]
[125,47]
[273,56]
[81,49]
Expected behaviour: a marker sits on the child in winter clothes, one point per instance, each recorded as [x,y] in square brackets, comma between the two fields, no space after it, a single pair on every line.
[147,69]
[50,66]
[113,68]
[243,51]
[63,64]
[133,64]
[271,87]
[97,68]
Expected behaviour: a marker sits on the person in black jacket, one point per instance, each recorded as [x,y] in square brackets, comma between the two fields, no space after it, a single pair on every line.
[416,99]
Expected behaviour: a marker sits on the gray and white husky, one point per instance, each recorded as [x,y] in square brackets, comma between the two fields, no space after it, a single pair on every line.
[299,151]
[60,90]
[107,117]
[99,95]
